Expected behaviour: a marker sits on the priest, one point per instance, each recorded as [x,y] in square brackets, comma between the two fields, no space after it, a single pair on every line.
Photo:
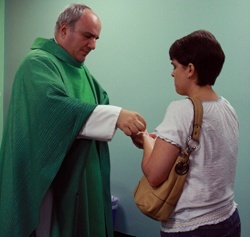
[54,158]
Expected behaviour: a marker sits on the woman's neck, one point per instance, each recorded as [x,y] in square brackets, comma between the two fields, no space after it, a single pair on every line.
[204,93]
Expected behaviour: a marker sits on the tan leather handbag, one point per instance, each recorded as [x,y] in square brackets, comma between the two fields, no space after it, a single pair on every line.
[159,202]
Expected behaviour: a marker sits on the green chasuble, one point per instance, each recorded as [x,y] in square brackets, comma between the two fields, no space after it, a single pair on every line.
[52,97]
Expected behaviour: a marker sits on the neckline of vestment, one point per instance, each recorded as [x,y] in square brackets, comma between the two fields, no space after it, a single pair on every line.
[52,47]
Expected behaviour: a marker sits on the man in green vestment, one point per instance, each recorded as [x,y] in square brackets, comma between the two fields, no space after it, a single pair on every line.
[54,158]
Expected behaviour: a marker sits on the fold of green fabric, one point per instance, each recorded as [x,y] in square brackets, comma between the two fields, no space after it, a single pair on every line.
[39,146]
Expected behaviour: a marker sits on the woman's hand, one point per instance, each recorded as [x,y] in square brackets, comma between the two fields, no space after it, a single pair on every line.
[140,138]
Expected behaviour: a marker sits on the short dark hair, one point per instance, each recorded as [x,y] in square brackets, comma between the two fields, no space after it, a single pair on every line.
[202,50]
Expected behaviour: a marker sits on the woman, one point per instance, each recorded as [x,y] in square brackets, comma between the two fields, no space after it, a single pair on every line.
[206,206]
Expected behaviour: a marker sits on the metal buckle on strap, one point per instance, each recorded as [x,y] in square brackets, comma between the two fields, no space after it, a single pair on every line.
[192,144]
[182,167]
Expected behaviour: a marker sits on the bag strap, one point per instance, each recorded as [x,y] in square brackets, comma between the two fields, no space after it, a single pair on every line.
[182,167]
[198,115]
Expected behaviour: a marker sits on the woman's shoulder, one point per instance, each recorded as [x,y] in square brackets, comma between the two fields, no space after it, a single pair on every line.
[181,106]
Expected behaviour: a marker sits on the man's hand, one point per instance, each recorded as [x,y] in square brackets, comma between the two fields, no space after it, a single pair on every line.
[130,122]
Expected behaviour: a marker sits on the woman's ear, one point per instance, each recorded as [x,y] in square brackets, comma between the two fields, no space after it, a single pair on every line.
[190,70]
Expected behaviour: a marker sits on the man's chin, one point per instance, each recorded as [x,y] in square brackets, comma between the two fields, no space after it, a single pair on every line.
[81,60]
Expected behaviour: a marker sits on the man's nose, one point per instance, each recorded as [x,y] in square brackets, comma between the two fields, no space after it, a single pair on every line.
[92,43]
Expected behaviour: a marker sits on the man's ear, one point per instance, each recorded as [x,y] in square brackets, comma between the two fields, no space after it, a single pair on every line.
[63,30]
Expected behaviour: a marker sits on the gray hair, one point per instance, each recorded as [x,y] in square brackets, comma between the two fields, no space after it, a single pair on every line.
[70,15]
